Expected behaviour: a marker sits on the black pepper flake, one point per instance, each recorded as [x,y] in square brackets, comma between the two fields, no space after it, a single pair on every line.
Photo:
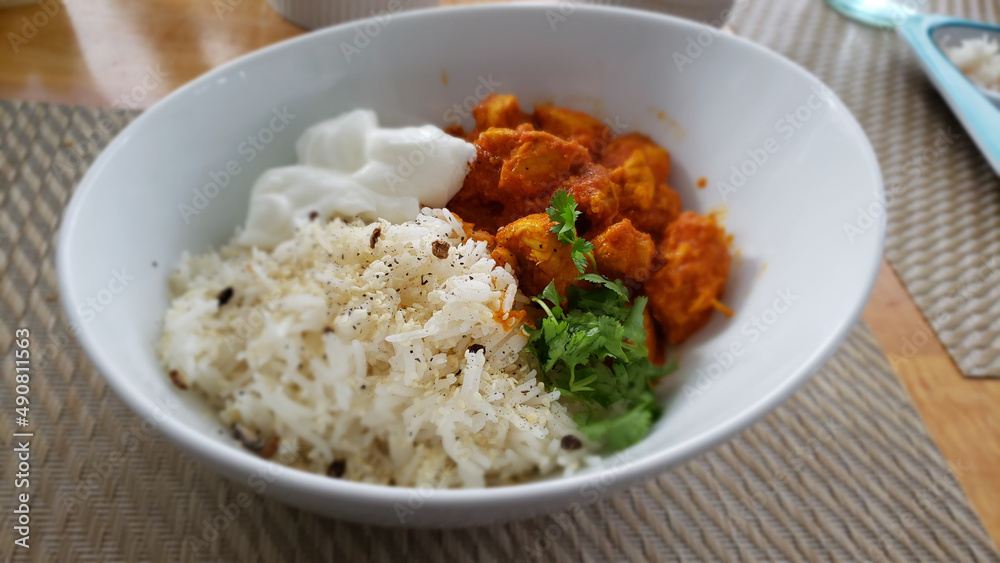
[476,348]
[313,215]
[224,296]
[570,442]
[375,234]
[337,468]
[363,386]
[440,248]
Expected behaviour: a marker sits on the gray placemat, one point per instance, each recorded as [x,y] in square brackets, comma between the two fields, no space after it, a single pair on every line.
[844,470]
[944,210]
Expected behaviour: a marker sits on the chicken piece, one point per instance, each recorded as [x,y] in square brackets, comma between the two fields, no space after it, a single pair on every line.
[515,173]
[650,205]
[539,165]
[621,148]
[573,126]
[637,181]
[498,110]
[598,197]
[624,253]
[540,257]
[474,202]
[683,293]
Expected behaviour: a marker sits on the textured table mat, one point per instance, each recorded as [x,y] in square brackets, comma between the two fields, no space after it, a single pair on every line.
[944,201]
[844,470]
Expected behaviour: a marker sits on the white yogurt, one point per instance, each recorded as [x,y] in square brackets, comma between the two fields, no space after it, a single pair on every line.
[350,167]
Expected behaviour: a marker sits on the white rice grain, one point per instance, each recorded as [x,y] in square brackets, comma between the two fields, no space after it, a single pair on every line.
[979,59]
[356,352]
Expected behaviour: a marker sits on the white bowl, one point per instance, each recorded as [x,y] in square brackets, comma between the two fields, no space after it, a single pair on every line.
[807,222]
[314,14]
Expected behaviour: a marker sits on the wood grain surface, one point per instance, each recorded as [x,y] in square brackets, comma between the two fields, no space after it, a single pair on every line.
[131,54]
[960,412]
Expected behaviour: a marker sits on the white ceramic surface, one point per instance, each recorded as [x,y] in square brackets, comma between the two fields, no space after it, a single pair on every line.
[314,14]
[807,220]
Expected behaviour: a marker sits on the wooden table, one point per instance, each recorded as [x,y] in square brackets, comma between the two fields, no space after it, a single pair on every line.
[99,52]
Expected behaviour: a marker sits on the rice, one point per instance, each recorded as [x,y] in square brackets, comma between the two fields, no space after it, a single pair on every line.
[361,345]
[979,59]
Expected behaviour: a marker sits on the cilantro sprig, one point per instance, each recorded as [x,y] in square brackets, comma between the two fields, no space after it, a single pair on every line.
[592,344]
[563,212]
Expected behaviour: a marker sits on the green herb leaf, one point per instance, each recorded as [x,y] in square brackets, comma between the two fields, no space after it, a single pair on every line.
[551,294]
[617,286]
[563,212]
[592,344]
[621,431]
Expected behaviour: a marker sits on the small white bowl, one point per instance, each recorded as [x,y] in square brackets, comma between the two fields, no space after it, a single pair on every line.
[787,165]
[314,14]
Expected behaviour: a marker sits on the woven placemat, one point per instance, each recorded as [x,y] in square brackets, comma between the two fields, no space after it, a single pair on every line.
[944,201]
[843,470]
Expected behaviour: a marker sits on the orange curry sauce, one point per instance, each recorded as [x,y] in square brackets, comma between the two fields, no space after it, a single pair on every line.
[679,259]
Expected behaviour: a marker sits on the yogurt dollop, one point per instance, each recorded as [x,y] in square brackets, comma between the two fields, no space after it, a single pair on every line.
[350,167]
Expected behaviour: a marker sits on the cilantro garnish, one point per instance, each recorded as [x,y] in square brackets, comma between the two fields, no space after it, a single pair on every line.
[592,345]
[562,211]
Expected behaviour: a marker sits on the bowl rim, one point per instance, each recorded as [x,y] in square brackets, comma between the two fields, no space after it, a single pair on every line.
[242,462]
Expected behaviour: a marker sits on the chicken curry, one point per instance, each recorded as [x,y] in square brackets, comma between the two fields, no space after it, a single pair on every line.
[679,259]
